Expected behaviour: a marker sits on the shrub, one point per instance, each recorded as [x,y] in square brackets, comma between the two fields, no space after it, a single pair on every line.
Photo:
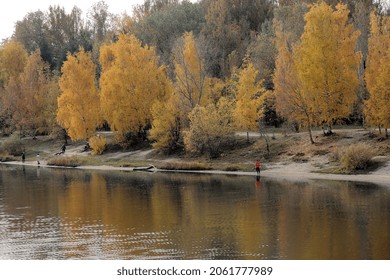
[98,144]
[232,168]
[185,166]
[13,146]
[211,128]
[356,157]
[64,161]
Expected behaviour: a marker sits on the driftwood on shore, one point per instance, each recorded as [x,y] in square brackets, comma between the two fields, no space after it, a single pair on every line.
[149,168]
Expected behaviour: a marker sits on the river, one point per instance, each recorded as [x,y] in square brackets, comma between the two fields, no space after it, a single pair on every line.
[56,214]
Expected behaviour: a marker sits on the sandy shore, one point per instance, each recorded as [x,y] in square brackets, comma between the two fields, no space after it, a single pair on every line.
[291,171]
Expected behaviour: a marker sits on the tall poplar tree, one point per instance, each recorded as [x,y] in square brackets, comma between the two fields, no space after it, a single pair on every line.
[78,104]
[249,96]
[35,101]
[377,74]
[327,62]
[291,103]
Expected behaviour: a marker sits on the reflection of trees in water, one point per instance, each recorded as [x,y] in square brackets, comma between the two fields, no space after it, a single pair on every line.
[163,215]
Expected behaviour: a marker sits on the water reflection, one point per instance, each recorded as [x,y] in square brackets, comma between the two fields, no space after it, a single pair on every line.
[70,214]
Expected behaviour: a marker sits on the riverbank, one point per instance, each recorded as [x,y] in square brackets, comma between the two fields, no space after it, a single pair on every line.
[290,172]
[292,157]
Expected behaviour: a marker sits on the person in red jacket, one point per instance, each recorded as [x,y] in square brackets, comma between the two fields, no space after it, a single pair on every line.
[257,165]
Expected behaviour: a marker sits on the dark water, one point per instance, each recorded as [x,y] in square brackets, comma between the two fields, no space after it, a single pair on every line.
[70,214]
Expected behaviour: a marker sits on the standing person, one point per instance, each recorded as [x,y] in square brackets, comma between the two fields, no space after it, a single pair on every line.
[257,165]
[38,159]
[23,157]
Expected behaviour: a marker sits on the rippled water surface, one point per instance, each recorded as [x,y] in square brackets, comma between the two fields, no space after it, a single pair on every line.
[71,214]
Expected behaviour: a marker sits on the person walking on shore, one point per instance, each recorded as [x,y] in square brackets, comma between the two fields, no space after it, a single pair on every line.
[38,159]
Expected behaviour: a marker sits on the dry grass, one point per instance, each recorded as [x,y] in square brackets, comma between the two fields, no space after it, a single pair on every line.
[357,157]
[73,161]
[177,165]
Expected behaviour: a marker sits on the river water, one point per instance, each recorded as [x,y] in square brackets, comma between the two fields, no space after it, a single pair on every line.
[71,214]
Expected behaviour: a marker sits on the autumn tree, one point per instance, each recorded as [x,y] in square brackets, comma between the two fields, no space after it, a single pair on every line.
[211,128]
[166,132]
[13,58]
[291,103]
[79,104]
[378,72]
[249,95]
[35,105]
[327,62]
[192,88]
[191,77]
[131,82]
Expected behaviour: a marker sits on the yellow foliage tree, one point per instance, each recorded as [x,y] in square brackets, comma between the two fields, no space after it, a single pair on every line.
[192,88]
[250,95]
[13,58]
[291,103]
[377,74]
[34,98]
[166,129]
[192,83]
[130,83]
[98,144]
[211,128]
[169,119]
[78,104]
[327,63]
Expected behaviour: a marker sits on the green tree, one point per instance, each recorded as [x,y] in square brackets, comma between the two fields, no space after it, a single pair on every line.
[161,27]
[228,30]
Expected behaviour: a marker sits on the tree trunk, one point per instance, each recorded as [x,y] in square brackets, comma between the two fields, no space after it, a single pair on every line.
[309,128]
[386,133]
[247,136]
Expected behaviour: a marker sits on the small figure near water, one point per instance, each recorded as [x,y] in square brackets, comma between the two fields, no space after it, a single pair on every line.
[23,157]
[257,166]
[38,159]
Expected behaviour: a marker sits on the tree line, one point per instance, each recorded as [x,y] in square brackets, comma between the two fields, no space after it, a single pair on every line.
[187,75]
